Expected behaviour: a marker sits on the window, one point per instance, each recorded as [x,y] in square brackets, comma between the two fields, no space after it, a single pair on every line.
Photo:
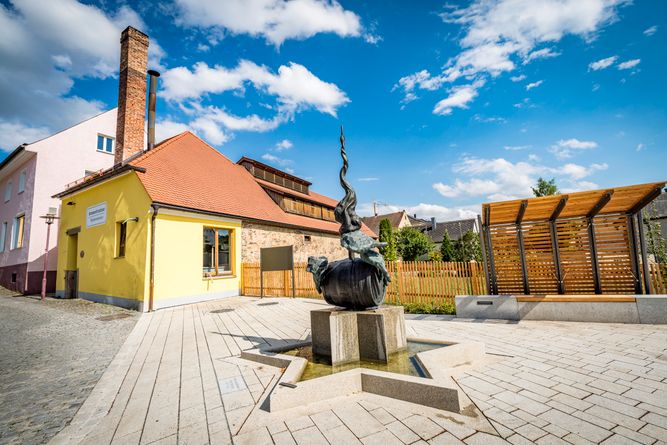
[3,236]
[17,232]
[122,237]
[104,143]
[22,177]
[217,251]
[8,191]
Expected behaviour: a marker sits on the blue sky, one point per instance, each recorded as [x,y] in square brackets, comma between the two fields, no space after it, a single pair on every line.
[445,104]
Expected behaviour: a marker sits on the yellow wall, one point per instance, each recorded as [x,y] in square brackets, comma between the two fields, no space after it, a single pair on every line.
[102,275]
[179,259]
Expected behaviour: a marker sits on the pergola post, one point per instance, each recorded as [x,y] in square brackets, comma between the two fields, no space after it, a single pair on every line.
[554,243]
[642,248]
[595,263]
[483,245]
[492,264]
[634,260]
[522,250]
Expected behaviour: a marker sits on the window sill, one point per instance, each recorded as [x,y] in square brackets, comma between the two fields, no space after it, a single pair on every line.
[105,152]
[119,257]
[218,277]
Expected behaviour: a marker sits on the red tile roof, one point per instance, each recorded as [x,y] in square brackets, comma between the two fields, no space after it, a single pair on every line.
[184,171]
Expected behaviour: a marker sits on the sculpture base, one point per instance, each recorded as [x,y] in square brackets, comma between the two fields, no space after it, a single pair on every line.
[346,336]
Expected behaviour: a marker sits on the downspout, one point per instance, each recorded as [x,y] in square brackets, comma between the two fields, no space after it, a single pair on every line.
[155,208]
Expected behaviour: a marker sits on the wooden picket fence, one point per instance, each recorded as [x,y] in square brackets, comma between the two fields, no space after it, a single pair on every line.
[412,281]
[658,274]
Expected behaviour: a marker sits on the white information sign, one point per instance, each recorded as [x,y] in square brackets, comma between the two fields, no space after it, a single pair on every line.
[96,215]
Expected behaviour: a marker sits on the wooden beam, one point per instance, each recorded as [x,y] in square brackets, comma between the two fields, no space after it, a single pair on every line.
[600,204]
[522,256]
[594,256]
[492,265]
[634,259]
[522,212]
[483,246]
[646,199]
[556,254]
[559,208]
[642,248]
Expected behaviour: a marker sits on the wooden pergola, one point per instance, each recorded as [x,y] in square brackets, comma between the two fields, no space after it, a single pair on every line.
[575,243]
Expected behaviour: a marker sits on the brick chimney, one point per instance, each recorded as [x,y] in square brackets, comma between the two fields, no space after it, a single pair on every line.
[131,94]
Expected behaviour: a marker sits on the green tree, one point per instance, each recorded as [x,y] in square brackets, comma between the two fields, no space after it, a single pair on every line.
[545,188]
[387,235]
[411,244]
[467,248]
[447,248]
[656,243]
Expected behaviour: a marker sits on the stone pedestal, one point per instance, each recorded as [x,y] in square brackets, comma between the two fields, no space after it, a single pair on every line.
[348,336]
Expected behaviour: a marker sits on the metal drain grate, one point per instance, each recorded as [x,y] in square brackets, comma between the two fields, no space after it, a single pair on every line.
[268,303]
[112,317]
[223,310]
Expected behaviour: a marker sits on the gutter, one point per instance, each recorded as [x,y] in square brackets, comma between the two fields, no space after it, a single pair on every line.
[155,208]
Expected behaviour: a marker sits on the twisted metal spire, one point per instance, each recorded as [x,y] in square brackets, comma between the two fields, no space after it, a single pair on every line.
[345,210]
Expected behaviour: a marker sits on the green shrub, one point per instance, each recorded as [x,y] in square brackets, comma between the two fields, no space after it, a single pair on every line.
[446,308]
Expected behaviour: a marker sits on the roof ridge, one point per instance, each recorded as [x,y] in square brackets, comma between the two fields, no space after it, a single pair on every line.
[161,146]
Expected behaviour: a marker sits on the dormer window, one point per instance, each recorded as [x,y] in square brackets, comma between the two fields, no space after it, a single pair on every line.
[105,144]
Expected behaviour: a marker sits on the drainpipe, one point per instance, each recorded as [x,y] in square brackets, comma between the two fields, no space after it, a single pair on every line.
[155,209]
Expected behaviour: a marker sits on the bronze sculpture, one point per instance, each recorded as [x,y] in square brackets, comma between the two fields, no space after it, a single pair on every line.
[353,283]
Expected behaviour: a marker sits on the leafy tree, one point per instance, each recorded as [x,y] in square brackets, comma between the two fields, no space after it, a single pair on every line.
[656,243]
[545,188]
[467,248]
[411,244]
[435,255]
[387,235]
[447,248]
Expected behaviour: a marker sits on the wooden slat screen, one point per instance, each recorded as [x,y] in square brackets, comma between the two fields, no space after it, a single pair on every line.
[507,261]
[611,233]
[539,258]
[575,256]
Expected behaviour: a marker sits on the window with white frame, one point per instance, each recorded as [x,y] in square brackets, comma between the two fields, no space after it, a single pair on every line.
[8,191]
[17,232]
[22,178]
[105,143]
[3,236]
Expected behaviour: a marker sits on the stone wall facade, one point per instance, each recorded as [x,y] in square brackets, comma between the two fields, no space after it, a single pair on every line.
[254,236]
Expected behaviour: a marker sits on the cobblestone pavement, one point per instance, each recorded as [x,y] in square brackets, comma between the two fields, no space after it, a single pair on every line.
[178,379]
[52,354]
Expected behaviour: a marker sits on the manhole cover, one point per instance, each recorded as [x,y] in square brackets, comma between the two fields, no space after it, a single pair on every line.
[112,317]
[268,303]
[220,311]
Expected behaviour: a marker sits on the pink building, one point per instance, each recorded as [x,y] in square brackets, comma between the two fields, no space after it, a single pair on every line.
[29,176]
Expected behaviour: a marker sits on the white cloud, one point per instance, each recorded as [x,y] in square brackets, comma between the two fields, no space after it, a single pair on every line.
[368,179]
[533,157]
[532,85]
[490,119]
[294,88]
[166,128]
[276,160]
[45,47]
[544,53]
[640,147]
[565,148]
[651,30]
[628,64]
[274,20]
[283,145]
[595,87]
[459,97]
[516,147]
[602,63]
[518,78]
[424,210]
[500,179]
[14,134]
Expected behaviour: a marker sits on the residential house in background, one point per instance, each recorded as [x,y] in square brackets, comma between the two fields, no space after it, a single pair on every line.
[29,176]
[455,229]
[172,224]
[398,220]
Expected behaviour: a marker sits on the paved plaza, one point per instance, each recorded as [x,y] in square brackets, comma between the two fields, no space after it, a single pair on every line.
[52,354]
[178,379]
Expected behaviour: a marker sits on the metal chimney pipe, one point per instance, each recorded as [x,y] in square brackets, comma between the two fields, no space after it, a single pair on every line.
[151,107]
[433,223]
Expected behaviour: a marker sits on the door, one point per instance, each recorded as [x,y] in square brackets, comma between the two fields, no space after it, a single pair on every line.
[72,268]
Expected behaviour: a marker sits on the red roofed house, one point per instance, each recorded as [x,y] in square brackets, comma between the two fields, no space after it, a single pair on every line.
[172,224]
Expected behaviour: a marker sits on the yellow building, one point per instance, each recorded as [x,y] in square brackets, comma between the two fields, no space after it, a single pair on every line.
[171,224]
